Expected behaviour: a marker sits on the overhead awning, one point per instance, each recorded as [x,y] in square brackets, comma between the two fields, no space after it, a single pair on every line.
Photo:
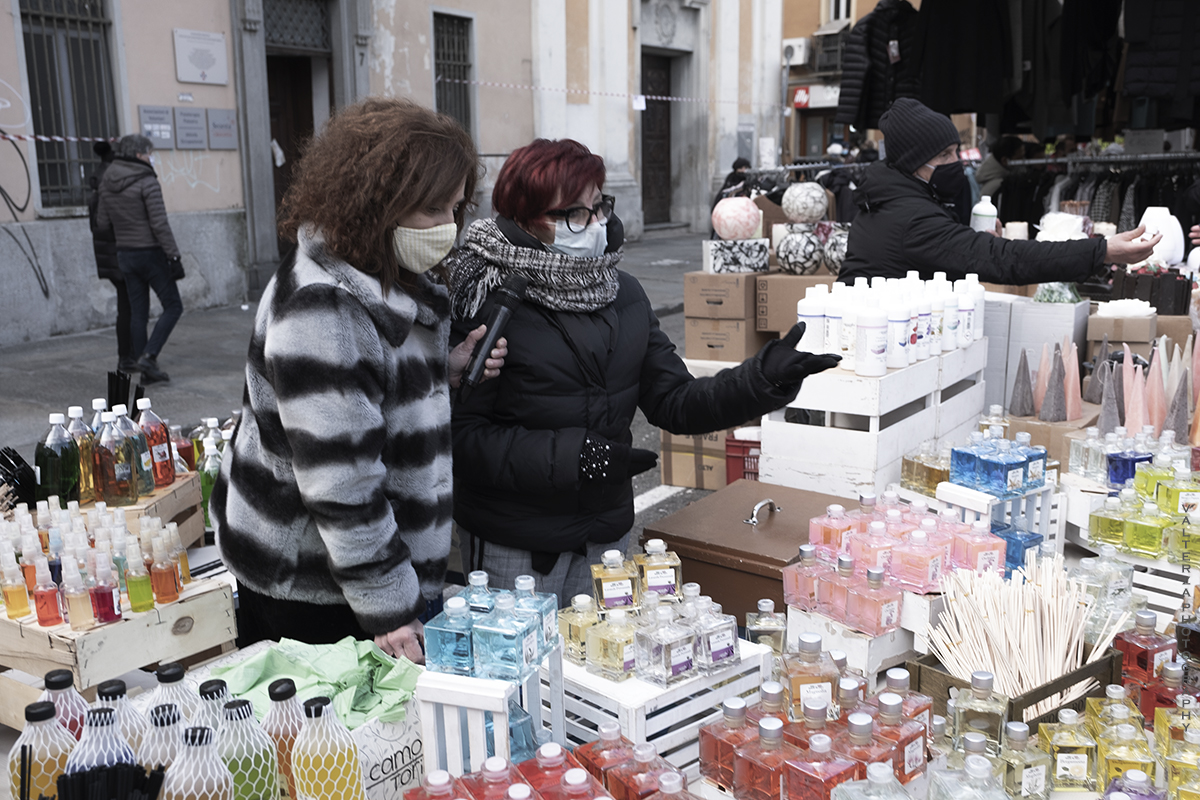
[833,26]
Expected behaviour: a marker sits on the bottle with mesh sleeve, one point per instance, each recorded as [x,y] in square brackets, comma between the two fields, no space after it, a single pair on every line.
[172,688]
[49,746]
[101,744]
[160,745]
[131,722]
[247,753]
[69,706]
[282,724]
[198,773]
[325,763]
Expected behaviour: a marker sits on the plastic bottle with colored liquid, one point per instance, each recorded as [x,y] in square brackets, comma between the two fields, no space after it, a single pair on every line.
[143,465]
[163,576]
[76,599]
[247,753]
[48,745]
[84,437]
[325,759]
[209,469]
[57,460]
[282,725]
[16,592]
[45,596]
[159,439]
[198,773]
[113,458]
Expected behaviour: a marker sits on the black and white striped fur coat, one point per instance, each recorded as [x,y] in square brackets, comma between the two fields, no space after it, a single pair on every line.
[337,485]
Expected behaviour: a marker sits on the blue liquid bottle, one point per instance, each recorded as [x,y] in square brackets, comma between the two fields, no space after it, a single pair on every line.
[964,461]
[506,645]
[1035,471]
[1002,472]
[448,640]
[1018,541]
[540,607]
[1122,465]
[480,599]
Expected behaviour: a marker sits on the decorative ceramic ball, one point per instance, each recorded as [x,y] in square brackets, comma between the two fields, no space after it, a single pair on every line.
[805,202]
[736,218]
[835,247]
[800,252]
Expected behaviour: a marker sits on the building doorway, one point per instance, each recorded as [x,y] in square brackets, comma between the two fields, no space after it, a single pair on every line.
[290,103]
[656,140]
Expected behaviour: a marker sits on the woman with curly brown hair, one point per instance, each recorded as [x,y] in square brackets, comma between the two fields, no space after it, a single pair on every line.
[333,505]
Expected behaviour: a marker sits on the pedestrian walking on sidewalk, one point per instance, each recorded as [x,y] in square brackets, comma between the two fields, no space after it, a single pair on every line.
[130,201]
[104,245]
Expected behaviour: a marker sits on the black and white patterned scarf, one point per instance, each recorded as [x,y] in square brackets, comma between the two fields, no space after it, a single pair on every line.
[556,281]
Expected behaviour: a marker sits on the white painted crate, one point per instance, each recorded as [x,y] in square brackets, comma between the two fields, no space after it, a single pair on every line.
[919,613]
[668,718]
[1083,497]
[871,654]
[1043,509]
[453,708]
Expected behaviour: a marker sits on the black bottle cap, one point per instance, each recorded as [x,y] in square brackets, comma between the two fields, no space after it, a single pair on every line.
[111,690]
[39,712]
[315,707]
[59,679]
[282,689]
[239,709]
[195,737]
[171,672]
[164,715]
[99,717]
[212,689]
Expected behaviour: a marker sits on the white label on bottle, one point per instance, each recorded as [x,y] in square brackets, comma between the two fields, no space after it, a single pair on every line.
[160,452]
[720,645]
[987,561]
[681,658]
[1033,780]
[146,460]
[1052,477]
[935,570]
[1016,480]
[914,755]
[1188,501]
[549,628]
[816,694]
[1160,658]
[1037,471]
[618,593]
[1072,766]
[117,600]
[889,613]
[883,558]
[923,718]
[530,647]
[123,472]
[661,580]
[627,654]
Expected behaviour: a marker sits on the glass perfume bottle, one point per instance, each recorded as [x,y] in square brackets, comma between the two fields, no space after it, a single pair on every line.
[814,774]
[940,532]
[573,625]
[1145,532]
[576,784]
[907,734]
[615,581]
[448,638]
[1121,464]
[771,703]
[1161,692]
[1077,457]
[860,743]
[1183,541]
[915,706]
[1145,651]
[506,644]
[101,744]
[132,724]
[866,513]
[480,600]
[1035,455]
[1027,769]
[1182,760]
[800,579]
[916,565]
[912,467]
[758,764]
[767,627]
[850,700]
[719,740]
[542,607]
[173,689]
[814,722]
[1136,785]
[979,781]
[871,549]
[48,745]
[975,743]
[1148,474]
[659,570]
[197,773]
[880,784]
[716,638]
[810,675]
[1127,749]
[665,654]
[833,589]
[160,746]
[610,649]
[828,533]
[547,767]
[1180,494]
[325,760]
[941,743]
[964,461]
[979,550]
[1019,543]
[1002,471]
[981,710]
[1073,752]
[638,778]
[282,724]
[248,753]
[610,750]
[896,525]
[874,608]
[69,706]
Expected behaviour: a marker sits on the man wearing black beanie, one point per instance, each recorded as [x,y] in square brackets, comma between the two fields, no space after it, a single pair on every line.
[908,217]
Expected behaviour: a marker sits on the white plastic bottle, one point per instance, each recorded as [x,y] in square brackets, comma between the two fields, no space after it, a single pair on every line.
[914,328]
[833,325]
[937,312]
[849,338]
[924,316]
[899,321]
[966,320]
[950,323]
[811,311]
[870,357]
[983,215]
[979,293]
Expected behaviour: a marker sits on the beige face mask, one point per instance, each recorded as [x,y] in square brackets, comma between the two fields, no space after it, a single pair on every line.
[420,249]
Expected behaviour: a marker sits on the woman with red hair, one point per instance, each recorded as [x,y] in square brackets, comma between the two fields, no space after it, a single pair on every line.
[543,455]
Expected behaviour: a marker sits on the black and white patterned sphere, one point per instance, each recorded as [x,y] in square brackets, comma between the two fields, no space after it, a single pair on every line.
[835,247]
[800,254]
[805,202]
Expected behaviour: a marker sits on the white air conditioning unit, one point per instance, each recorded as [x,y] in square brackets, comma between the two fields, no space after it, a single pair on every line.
[801,51]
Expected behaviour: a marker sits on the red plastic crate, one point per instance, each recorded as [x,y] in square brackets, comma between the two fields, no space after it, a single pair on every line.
[741,460]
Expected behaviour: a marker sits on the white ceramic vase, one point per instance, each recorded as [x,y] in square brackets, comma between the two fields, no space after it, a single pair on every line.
[1159,219]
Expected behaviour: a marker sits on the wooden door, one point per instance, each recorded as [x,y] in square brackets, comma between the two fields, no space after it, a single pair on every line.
[290,104]
[656,140]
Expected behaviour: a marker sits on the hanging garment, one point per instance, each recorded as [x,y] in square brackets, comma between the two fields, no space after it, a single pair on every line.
[1091,48]
[879,64]
[965,55]
[1128,218]
[1162,60]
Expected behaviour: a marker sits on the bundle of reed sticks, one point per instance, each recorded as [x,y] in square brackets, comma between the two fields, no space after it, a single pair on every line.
[1026,631]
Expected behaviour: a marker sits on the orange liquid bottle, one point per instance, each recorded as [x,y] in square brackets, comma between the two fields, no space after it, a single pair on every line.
[45,597]
[159,439]
[163,576]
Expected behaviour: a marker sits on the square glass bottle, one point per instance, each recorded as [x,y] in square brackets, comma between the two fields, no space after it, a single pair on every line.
[1182,760]
[917,565]
[800,579]
[1183,541]
[506,644]
[1077,458]
[1002,472]
[809,675]
[716,638]
[907,734]
[979,550]
[767,627]
[880,784]
[720,739]
[1145,651]
[638,778]
[833,589]
[542,607]
[615,582]
[1035,455]
[814,722]
[610,648]
[916,706]
[815,773]
[480,599]
[874,608]
[665,654]
[975,743]
[771,703]
[1180,495]
[980,710]
[610,750]
[861,744]
[871,549]
[1127,749]
[964,461]
[828,533]
[1072,751]
[660,571]
[448,640]
[1026,768]
[758,764]
[573,625]
[1145,531]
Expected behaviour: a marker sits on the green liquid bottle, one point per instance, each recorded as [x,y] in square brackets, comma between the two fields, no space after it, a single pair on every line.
[1107,525]
[1183,541]
[1180,495]
[137,580]
[208,474]
[57,461]
[1144,533]
[248,753]
[1150,473]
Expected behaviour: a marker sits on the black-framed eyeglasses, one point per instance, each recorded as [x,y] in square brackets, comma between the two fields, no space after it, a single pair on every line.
[579,217]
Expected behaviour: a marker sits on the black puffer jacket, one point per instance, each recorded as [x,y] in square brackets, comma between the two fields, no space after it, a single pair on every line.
[870,80]
[901,226]
[1162,60]
[131,202]
[517,438]
[104,241]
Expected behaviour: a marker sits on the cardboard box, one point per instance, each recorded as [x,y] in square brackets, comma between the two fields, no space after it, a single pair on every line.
[1122,329]
[1034,324]
[1028,290]
[722,339]
[725,296]
[772,214]
[695,462]
[776,295]
[737,255]
[1053,435]
[1176,328]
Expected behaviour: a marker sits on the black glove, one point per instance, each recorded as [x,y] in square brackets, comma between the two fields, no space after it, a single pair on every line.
[175,268]
[607,461]
[783,366]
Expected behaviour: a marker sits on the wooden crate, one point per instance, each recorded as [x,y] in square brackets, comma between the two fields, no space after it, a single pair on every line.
[668,718]
[873,655]
[928,677]
[202,618]
[1044,509]
[178,503]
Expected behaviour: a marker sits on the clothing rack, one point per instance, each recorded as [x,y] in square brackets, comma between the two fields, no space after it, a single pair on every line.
[1123,158]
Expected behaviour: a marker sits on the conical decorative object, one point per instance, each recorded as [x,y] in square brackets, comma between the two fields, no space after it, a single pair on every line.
[1043,379]
[1117,378]
[1110,415]
[1101,354]
[1188,354]
[1162,354]
[1177,414]
[1135,412]
[1126,379]
[1194,433]
[1020,404]
[1156,399]
[1054,405]
[1175,372]
[1074,395]
[1094,392]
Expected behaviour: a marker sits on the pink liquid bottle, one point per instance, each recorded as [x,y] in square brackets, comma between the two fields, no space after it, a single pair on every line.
[874,608]
[949,522]
[609,751]
[575,784]
[812,723]
[758,764]
[69,706]
[889,501]
[492,782]
[937,537]
[833,590]
[437,785]
[814,774]
[547,767]
[917,510]
[866,513]
[873,548]
[719,739]
[978,549]
[917,565]
[897,526]
[828,533]
[800,579]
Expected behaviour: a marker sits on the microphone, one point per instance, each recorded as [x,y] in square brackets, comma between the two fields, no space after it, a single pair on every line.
[509,296]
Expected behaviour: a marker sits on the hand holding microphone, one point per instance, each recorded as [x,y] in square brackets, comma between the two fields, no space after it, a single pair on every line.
[484,349]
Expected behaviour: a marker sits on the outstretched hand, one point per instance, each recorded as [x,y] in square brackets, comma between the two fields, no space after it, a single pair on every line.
[1128,248]
[783,365]
[407,640]
[461,356]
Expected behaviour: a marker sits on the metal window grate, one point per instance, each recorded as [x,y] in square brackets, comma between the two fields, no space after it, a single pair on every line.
[297,26]
[452,60]
[71,83]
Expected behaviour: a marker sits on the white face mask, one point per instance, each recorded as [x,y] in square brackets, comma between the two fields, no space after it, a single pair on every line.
[588,243]
[420,249]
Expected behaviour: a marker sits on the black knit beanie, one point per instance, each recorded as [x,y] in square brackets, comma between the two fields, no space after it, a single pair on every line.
[914,133]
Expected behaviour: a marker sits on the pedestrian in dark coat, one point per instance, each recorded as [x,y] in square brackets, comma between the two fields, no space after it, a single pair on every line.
[543,455]
[905,219]
[104,246]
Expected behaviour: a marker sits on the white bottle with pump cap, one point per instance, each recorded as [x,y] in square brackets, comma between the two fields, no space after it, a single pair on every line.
[983,215]
[870,357]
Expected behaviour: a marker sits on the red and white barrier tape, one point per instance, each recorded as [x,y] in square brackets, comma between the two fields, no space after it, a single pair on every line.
[37,137]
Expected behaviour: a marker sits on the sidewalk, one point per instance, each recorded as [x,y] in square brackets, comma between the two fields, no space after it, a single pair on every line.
[206,355]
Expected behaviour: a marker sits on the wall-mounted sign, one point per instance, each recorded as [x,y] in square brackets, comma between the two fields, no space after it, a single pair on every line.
[816,95]
[200,57]
[191,128]
[222,129]
[157,123]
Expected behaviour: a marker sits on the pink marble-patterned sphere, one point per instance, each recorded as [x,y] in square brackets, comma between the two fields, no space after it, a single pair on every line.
[736,218]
